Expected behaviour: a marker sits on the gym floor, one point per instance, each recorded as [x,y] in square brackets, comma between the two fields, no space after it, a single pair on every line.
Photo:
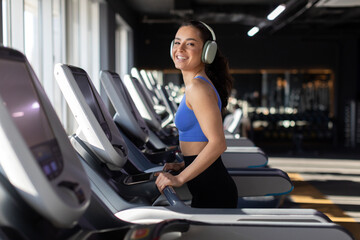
[327,182]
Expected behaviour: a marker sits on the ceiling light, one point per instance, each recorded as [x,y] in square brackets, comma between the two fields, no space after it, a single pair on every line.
[252,31]
[276,12]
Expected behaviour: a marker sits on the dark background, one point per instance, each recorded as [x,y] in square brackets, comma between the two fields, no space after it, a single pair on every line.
[311,35]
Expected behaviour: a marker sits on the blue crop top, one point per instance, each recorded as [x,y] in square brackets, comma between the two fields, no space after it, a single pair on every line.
[186,122]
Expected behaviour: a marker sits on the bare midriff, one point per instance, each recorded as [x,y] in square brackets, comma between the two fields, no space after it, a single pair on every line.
[192,148]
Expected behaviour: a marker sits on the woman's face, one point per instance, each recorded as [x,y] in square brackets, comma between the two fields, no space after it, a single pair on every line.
[187,48]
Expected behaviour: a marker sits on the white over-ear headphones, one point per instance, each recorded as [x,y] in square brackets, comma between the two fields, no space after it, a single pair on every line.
[209,50]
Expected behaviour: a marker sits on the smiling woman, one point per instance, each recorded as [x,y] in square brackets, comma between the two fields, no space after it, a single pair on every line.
[198,119]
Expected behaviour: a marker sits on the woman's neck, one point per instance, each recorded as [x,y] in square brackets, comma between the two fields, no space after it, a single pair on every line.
[190,75]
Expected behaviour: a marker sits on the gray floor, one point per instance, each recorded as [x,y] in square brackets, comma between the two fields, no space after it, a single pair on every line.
[334,182]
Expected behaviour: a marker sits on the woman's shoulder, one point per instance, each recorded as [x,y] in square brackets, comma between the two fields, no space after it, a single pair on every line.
[199,88]
[196,85]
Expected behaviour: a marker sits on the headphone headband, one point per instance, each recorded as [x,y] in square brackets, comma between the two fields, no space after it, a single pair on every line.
[210,29]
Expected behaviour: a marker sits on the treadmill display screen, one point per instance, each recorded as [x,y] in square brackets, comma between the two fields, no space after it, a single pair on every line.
[124,93]
[85,87]
[20,98]
[128,99]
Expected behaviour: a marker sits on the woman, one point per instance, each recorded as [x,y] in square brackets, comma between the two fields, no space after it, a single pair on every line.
[202,141]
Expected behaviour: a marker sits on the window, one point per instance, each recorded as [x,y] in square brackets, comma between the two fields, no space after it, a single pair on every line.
[83,48]
[82,43]
[32,39]
[123,47]
[54,31]
[5,22]
[59,56]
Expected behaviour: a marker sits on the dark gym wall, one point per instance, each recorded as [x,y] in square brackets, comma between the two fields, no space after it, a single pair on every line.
[125,12]
[243,52]
[337,52]
[107,46]
[347,79]
[107,38]
[152,46]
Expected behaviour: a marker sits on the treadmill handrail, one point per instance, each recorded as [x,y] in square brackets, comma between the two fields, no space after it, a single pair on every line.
[172,197]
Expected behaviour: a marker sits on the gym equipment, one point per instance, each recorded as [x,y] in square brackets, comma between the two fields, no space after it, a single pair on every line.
[53,199]
[123,192]
[231,128]
[58,188]
[70,78]
[151,107]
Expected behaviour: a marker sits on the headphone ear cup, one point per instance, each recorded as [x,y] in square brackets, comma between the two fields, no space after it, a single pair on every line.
[171,47]
[209,52]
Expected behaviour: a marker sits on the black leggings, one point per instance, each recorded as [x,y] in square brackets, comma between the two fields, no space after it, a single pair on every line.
[213,188]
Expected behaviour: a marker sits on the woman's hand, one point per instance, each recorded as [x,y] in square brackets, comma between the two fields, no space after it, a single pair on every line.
[166,179]
[174,166]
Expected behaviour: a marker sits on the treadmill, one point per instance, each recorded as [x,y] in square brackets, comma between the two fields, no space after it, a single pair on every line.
[44,189]
[162,133]
[231,124]
[124,188]
[129,121]
[99,128]
[45,193]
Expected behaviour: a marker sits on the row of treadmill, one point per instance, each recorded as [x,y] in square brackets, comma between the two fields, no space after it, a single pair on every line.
[99,182]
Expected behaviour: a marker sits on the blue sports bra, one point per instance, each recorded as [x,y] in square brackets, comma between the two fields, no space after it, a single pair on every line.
[186,122]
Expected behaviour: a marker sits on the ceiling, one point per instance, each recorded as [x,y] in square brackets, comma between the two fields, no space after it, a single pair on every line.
[300,16]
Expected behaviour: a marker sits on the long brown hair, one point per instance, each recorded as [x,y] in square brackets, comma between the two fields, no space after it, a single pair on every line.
[218,70]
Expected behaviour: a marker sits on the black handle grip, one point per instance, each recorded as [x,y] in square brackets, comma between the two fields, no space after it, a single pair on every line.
[172,197]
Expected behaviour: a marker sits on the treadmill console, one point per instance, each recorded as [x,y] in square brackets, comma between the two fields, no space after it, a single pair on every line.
[96,127]
[86,89]
[127,116]
[36,154]
[27,112]
[28,115]
[49,157]
[130,103]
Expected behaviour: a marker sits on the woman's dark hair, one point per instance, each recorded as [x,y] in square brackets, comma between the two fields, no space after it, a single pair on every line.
[218,70]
